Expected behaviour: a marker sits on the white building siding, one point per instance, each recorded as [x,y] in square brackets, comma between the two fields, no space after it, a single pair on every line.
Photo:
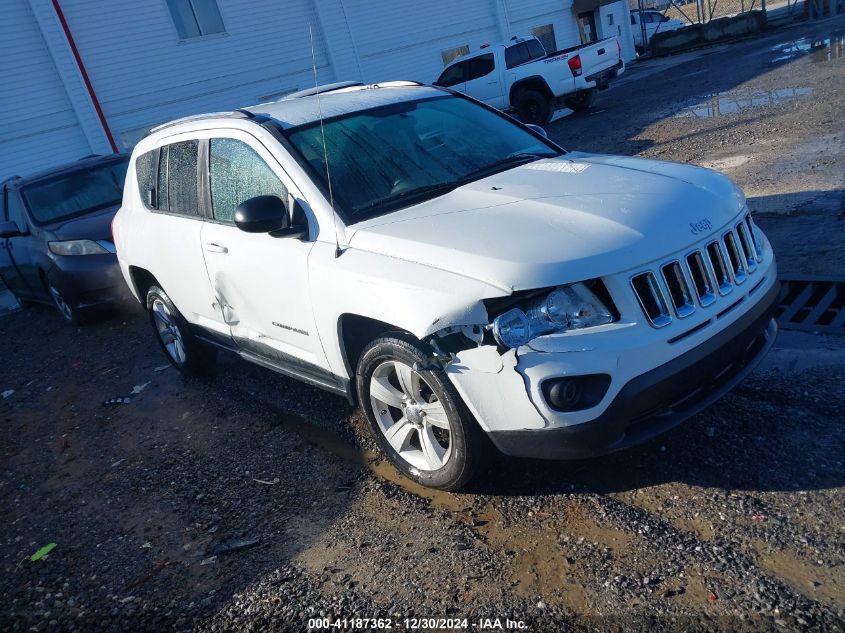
[400,40]
[526,15]
[38,126]
[620,28]
[144,74]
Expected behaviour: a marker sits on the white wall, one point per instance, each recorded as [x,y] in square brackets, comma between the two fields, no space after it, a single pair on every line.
[143,74]
[621,27]
[38,125]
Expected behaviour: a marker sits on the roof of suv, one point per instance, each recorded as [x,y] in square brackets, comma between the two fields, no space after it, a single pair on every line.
[308,106]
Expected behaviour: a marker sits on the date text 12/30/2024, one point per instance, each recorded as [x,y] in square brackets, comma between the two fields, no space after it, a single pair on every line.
[414,624]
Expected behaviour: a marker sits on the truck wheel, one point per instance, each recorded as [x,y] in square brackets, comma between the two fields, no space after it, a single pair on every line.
[417,416]
[184,351]
[533,107]
[581,100]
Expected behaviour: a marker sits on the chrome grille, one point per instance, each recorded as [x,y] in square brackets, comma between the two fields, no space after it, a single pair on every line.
[698,279]
[701,279]
[679,290]
[758,248]
[651,299]
[734,257]
[720,267]
[748,250]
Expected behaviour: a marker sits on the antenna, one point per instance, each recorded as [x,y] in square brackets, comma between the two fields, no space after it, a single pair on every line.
[337,251]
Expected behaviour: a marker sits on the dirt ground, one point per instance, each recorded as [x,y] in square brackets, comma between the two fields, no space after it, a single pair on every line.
[734,521]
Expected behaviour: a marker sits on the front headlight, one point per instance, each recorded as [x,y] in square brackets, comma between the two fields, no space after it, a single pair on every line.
[564,308]
[77,247]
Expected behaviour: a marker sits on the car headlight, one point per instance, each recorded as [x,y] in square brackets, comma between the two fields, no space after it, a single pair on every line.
[564,308]
[77,247]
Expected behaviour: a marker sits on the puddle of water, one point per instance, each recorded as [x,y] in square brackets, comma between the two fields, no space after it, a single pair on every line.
[819,50]
[726,103]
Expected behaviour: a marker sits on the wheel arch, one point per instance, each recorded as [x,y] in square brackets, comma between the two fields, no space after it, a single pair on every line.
[355,332]
[534,82]
[142,281]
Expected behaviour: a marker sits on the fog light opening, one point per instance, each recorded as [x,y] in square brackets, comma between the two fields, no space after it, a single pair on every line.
[575,393]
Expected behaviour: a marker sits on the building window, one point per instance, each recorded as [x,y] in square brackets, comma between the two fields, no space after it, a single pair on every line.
[453,53]
[195,18]
[546,35]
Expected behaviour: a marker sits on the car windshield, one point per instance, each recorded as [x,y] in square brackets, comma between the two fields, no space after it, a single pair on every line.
[76,193]
[393,156]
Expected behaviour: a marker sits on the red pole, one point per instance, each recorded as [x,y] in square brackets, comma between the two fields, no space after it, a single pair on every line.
[84,74]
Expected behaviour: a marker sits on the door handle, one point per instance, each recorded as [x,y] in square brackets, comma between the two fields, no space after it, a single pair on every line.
[214,247]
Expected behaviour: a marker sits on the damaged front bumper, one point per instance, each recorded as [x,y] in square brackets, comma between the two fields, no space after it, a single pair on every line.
[654,385]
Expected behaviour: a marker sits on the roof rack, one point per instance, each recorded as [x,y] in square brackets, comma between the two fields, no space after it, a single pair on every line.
[237,114]
[318,90]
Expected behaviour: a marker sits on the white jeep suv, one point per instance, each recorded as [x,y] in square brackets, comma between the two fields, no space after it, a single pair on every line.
[460,276]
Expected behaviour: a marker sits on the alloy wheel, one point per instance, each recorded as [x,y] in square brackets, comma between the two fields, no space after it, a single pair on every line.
[410,416]
[168,331]
[61,304]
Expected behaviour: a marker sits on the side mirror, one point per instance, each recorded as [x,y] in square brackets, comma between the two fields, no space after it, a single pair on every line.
[9,229]
[537,129]
[262,214]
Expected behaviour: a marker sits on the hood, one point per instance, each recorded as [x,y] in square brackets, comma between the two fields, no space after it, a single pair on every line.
[557,220]
[94,226]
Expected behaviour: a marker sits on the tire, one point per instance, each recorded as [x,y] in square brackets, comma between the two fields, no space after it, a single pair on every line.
[581,100]
[437,443]
[533,107]
[71,315]
[184,351]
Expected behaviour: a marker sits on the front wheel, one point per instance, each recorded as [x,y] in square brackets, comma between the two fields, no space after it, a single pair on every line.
[417,416]
[69,313]
[581,100]
[184,351]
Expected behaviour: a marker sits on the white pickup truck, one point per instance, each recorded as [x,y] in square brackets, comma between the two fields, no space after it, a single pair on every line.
[520,75]
[649,23]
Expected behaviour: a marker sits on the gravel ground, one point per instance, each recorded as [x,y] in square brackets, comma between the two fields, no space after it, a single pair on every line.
[734,521]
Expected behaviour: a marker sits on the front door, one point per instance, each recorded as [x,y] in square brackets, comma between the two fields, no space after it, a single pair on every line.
[260,281]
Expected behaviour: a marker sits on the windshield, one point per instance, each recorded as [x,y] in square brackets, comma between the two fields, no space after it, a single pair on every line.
[390,157]
[76,193]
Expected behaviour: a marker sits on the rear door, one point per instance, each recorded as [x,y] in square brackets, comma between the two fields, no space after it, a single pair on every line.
[259,281]
[483,80]
[173,229]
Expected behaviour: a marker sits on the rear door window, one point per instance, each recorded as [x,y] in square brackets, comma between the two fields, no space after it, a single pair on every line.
[177,179]
[516,55]
[480,66]
[237,173]
[535,49]
[182,178]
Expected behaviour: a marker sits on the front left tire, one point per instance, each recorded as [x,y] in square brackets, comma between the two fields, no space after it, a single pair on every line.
[70,314]
[417,416]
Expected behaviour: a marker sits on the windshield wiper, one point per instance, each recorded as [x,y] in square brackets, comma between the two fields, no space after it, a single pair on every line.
[405,197]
